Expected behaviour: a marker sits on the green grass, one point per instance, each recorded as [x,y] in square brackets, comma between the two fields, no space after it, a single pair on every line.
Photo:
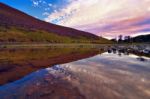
[13,34]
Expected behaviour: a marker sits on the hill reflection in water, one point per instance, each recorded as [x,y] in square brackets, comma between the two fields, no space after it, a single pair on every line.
[17,63]
[82,74]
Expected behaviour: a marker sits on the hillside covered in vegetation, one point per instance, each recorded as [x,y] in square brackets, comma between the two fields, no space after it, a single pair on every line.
[16,26]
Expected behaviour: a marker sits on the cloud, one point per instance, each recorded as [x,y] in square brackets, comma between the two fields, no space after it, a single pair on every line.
[50,4]
[35,3]
[45,14]
[104,17]
[38,3]
[46,9]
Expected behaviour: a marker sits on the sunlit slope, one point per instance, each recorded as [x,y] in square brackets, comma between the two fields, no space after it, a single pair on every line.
[16,26]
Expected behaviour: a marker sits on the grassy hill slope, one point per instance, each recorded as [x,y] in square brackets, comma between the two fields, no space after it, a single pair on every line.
[16,26]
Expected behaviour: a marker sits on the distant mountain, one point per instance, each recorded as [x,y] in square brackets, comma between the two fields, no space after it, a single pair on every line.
[16,26]
[141,38]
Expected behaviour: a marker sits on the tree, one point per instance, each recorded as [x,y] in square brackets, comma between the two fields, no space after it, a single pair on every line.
[120,38]
[127,39]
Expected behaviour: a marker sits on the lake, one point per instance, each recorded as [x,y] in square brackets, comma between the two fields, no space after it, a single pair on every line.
[73,73]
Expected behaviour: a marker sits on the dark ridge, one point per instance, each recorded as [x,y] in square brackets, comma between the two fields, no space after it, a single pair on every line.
[141,38]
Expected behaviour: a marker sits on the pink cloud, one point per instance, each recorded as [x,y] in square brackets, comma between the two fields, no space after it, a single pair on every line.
[104,17]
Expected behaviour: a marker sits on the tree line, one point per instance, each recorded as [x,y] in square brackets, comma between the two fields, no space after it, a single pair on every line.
[129,39]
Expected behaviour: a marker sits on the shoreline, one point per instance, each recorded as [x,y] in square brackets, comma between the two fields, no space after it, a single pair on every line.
[66,44]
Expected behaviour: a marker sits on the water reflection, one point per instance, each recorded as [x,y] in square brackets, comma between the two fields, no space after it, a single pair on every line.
[104,76]
[109,77]
[17,63]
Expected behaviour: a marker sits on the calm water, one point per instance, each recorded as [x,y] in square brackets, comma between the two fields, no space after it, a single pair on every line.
[73,74]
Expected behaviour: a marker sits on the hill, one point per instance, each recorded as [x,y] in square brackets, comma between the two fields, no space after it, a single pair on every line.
[141,38]
[16,26]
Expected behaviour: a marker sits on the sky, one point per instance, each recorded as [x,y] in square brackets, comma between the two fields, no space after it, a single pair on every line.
[107,18]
